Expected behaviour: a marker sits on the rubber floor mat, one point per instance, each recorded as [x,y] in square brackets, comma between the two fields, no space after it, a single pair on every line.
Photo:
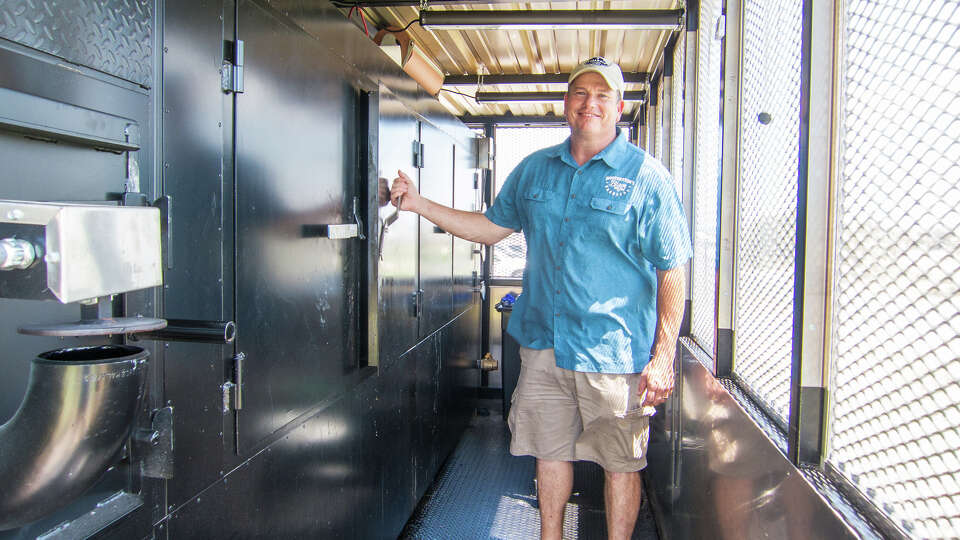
[484,492]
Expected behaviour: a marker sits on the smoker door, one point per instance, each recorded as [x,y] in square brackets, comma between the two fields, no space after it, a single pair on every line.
[398,262]
[297,292]
[466,263]
[436,245]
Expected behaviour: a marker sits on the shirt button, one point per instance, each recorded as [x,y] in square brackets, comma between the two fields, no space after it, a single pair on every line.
[566,219]
[558,291]
[561,244]
[558,267]
[579,172]
[573,196]
[535,196]
[609,207]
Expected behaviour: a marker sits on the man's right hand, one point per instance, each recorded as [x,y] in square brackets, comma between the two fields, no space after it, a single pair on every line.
[404,194]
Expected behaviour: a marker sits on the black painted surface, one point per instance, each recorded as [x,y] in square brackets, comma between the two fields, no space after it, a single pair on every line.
[196,127]
[398,265]
[436,246]
[297,164]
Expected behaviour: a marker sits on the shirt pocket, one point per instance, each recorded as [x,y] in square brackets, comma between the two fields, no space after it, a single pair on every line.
[617,208]
[537,194]
[541,210]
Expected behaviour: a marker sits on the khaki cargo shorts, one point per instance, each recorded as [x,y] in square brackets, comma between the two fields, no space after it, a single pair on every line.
[563,415]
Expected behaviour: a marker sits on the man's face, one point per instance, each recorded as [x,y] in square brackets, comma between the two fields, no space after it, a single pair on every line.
[591,106]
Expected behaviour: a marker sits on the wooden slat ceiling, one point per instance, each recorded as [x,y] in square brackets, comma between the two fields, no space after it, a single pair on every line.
[494,52]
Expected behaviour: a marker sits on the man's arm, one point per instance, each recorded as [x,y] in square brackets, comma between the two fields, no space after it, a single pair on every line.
[658,378]
[472,226]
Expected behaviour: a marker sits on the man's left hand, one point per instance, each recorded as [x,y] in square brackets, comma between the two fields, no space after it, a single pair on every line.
[657,381]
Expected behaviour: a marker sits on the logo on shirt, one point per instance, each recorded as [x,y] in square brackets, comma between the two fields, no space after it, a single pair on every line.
[617,186]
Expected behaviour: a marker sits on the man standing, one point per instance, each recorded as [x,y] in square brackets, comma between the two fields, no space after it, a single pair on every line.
[602,296]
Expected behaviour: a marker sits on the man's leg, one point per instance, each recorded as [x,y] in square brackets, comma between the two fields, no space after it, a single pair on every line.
[554,485]
[621,493]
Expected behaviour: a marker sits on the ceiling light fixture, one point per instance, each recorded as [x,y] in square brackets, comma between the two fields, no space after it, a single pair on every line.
[543,97]
[644,19]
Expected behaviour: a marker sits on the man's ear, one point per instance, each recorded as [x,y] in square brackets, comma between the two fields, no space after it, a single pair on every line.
[620,109]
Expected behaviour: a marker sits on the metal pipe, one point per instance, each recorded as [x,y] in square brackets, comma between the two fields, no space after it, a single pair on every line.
[70,428]
[193,331]
[639,19]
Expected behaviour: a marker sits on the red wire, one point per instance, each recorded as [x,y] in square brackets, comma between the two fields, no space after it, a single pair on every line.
[350,13]
[364,21]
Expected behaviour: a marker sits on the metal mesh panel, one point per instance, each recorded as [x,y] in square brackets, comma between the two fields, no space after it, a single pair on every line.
[896,340]
[706,177]
[512,145]
[767,199]
[676,123]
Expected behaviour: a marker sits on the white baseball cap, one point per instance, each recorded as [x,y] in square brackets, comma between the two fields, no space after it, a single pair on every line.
[607,69]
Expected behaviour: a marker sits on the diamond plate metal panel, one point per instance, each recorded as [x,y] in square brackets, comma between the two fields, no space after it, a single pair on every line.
[112,36]
[512,145]
[896,340]
[706,177]
[767,199]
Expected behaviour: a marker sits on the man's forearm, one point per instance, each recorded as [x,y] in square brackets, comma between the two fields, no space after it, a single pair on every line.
[471,226]
[670,297]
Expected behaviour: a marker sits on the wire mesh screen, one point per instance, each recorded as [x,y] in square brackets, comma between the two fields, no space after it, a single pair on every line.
[509,256]
[896,340]
[676,122]
[767,199]
[706,177]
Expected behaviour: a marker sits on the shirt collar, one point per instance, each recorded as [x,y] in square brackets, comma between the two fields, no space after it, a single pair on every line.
[612,155]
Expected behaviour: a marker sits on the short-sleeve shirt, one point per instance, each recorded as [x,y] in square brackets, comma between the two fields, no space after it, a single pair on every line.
[596,235]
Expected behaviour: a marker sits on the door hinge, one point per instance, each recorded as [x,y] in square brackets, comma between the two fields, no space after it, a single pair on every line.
[233,389]
[416,303]
[231,72]
[418,154]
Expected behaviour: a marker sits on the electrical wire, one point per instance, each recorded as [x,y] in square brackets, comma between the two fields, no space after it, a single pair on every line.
[460,93]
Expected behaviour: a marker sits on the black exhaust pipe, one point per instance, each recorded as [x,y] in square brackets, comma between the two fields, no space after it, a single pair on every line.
[70,428]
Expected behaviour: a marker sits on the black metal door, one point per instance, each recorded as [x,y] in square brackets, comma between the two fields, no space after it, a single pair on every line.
[436,245]
[297,164]
[398,263]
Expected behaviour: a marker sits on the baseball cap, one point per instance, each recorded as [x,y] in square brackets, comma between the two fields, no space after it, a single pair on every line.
[607,69]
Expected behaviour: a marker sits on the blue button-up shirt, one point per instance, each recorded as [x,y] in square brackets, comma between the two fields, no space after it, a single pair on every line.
[596,235]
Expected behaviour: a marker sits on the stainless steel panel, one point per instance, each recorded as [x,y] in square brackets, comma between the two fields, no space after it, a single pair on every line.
[93,250]
[116,36]
[398,266]
[436,246]
[297,164]
[732,481]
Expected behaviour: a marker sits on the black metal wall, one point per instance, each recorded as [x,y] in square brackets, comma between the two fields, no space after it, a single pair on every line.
[359,371]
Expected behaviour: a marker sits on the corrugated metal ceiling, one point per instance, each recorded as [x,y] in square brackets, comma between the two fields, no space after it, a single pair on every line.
[495,52]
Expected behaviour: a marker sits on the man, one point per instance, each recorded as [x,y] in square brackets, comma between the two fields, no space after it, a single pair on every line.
[602,296]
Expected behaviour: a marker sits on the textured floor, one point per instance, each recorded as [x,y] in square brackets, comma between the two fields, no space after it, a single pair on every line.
[484,492]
